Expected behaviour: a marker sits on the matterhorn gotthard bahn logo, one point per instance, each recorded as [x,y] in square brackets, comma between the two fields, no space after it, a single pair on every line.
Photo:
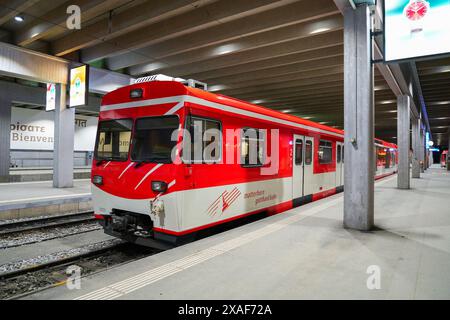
[223,202]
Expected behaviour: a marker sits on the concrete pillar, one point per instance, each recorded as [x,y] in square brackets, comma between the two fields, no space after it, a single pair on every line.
[416,148]
[358,120]
[64,141]
[403,123]
[5,135]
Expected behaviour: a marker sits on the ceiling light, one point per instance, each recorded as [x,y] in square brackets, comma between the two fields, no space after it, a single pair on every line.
[257,101]
[19,18]
[226,48]
[319,30]
[387,101]
[217,87]
[307,118]
[323,122]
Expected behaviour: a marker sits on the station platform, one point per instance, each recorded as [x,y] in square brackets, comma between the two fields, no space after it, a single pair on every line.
[39,198]
[304,253]
[43,174]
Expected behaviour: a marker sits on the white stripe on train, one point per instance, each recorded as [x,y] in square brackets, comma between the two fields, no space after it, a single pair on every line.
[186,98]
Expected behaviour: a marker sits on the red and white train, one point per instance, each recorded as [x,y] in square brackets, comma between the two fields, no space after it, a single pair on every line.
[444,160]
[140,195]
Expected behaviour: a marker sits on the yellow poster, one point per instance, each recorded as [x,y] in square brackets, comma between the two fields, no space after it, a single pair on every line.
[78,86]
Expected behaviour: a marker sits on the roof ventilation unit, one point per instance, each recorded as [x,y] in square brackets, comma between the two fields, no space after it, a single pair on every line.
[162,77]
[195,84]
[156,77]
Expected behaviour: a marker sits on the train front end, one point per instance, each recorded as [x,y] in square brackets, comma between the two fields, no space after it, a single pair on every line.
[134,173]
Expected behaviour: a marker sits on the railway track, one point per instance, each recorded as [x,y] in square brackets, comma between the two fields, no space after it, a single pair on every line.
[46,222]
[25,232]
[36,277]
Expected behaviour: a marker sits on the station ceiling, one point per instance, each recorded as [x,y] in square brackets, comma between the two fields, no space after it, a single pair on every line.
[283,54]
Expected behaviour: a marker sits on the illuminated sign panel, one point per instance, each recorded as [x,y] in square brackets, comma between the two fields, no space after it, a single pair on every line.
[416,28]
[51,97]
[78,86]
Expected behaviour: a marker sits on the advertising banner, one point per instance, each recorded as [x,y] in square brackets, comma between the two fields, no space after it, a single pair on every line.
[78,86]
[416,28]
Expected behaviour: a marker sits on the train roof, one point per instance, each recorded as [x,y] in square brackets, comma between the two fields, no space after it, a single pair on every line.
[161,89]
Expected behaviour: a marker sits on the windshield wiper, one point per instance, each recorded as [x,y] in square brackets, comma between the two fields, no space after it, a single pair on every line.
[155,158]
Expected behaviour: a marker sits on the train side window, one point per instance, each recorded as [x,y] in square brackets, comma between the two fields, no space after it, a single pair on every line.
[343,153]
[298,152]
[209,147]
[308,152]
[325,152]
[253,146]
[339,153]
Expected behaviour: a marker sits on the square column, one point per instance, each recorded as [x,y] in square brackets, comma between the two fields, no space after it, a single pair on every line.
[403,123]
[359,164]
[64,141]
[5,136]
[416,148]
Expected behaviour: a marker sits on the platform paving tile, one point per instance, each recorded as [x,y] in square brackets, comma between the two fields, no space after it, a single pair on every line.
[304,253]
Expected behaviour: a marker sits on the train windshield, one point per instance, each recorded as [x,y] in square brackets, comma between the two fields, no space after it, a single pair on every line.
[153,139]
[113,140]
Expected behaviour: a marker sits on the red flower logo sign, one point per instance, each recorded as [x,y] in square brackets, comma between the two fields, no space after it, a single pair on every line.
[416,10]
[223,202]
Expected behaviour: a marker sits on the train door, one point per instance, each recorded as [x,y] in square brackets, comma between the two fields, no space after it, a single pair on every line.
[309,184]
[339,164]
[298,166]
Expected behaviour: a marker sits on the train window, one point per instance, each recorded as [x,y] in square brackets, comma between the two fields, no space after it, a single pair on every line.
[325,152]
[338,153]
[209,147]
[113,140]
[343,153]
[153,139]
[252,147]
[308,152]
[298,151]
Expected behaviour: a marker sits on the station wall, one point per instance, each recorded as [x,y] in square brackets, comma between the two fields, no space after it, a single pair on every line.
[32,138]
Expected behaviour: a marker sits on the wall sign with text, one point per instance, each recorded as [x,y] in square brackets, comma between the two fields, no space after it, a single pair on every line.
[416,28]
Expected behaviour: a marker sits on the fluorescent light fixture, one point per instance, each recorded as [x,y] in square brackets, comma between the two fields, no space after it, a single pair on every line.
[226,48]
[307,118]
[257,101]
[19,18]
[323,122]
[286,111]
[217,87]
[387,101]
[319,30]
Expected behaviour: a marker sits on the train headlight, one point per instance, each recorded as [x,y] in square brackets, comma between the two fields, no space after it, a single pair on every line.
[98,180]
[159,186]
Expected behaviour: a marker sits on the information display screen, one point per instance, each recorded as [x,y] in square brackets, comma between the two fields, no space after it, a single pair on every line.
[78,86]
[416,28]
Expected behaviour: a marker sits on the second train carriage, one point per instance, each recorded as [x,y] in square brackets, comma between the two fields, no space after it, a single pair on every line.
[141,195]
